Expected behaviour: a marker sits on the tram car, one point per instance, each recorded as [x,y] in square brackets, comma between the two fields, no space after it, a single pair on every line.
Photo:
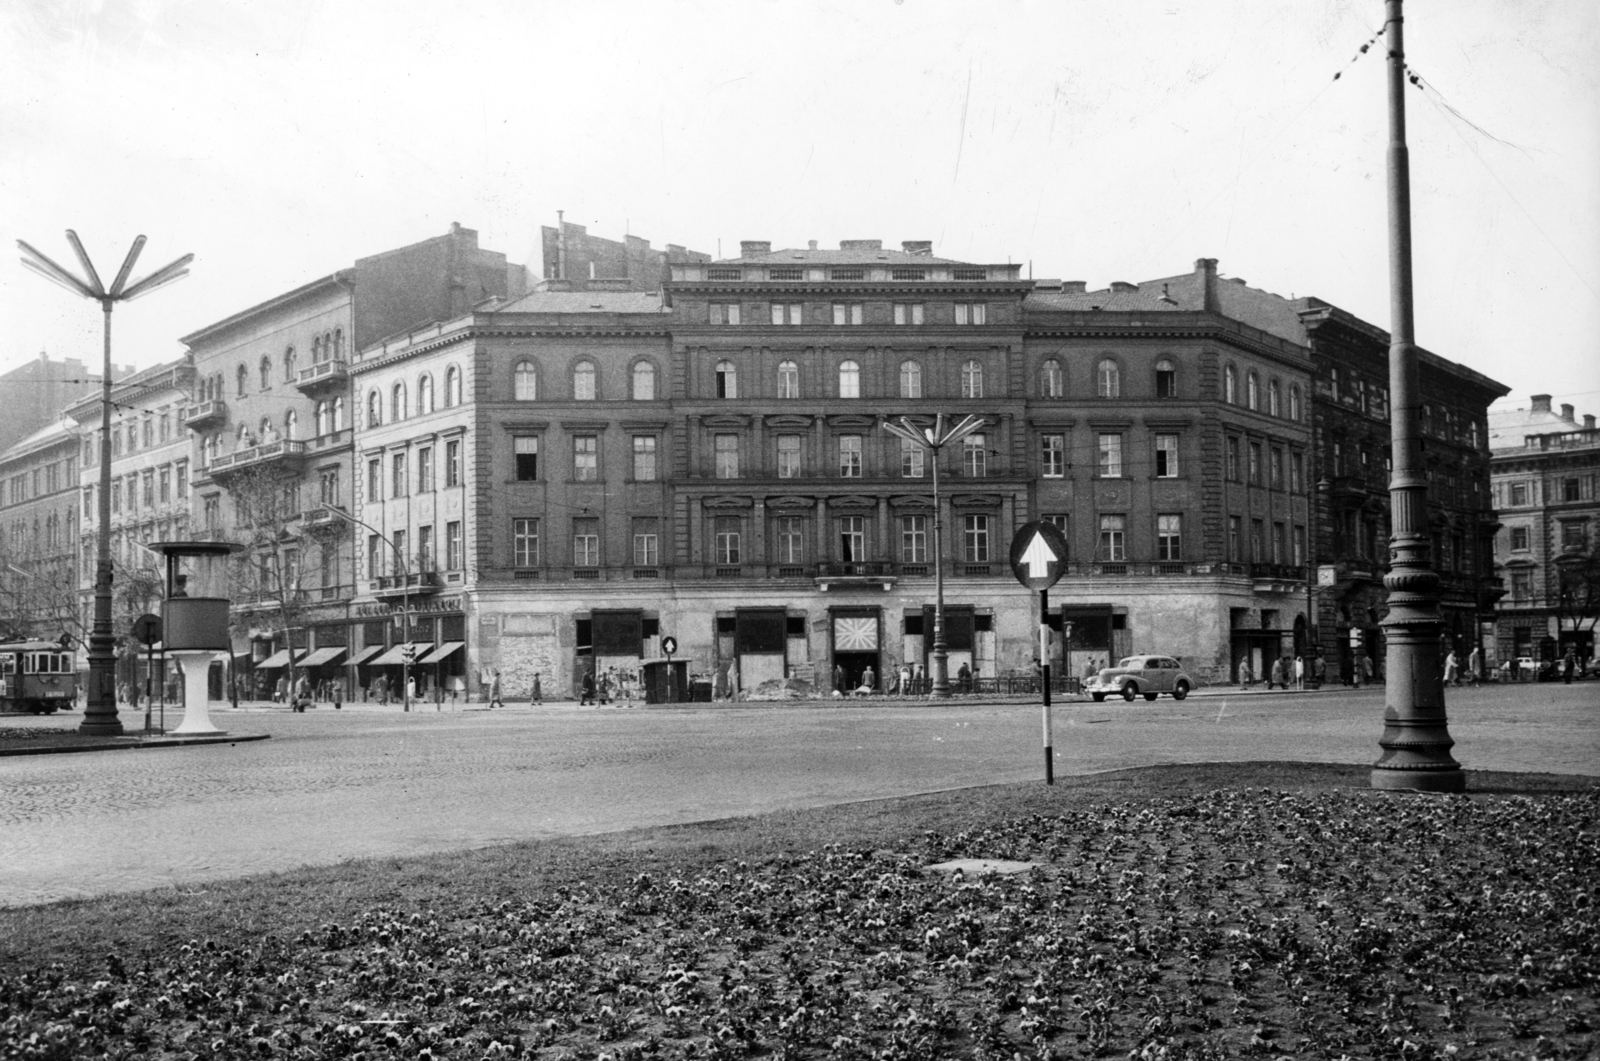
[36,677]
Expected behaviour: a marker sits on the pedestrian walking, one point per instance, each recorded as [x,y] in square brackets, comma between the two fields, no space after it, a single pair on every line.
[1275,675]
[869,678]
[1569,664]
[336,690]
[380,690]
[1299,672]
[1452,669]
[1474,665]
[839,679]
[586,689]
[964,675]
[905,680]
[302,695]
[1245,677]
[1366,669]
[494,690]
[538,693]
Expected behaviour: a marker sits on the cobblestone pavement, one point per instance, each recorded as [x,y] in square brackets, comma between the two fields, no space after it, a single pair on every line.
[367,781]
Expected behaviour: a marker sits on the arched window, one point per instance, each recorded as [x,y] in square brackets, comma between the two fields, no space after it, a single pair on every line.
[727,380]
[644,382]
[788,379]
[524,382]
[972,380]
[583,381]
[1294,401]
[1274,405]
[291,424]
[1050,381]
[1166,379]
[1108,379]
[452,387]
[849,379]
[244,379]
[1230,386]
[289,365]
[338,342]
[374,410]
[399,408]
[910,379]
[1252,391]
[321,426]
[266,372]
[338,414]
[242,438]
[425,394]
[318,353]
[267,431]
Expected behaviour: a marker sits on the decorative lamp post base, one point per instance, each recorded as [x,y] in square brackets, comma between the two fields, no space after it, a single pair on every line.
[196,694]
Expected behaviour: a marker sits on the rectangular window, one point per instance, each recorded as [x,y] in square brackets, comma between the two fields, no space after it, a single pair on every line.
[1297,472]
[165,487]
[1255,462]
[585,543]
[1569,490]
[425,470]
[1279,543]
[646,541]
[847,313]
[908,312]
[526,448]
[975,456]
[1169,537]
[788,456]
[400,558]
[852,539]
[791,540]
[398,480]
[913,539]
[525,542]
[1166,456]
[1519,494]
[1110,456]
[1277,469]
[1299,545]
[727,456]
[374,555]
[1519,539]
[787,313]
[1235,534]
[586,458]
[1053,456]
[971,312]
[975,539]
[850,456]
[1113,537]
[725,540]
[1521,584]
[452,545]
[329,494]
[1258,531]
[452,463]
[1233,459]
[644,458]
[724,313]
[425,555]
[1061,521]
[912,459]
[1573,534]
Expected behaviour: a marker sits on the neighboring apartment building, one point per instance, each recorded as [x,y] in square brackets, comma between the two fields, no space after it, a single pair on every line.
[150,469]
[570,254]
[39,498]
[1547,488]
[1351,465]
[34,393]
[273,439]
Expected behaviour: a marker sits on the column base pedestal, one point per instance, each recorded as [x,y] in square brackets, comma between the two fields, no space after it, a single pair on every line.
[196,667]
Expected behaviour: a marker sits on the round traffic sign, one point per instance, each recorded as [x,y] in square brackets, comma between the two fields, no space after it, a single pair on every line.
[669,645]
[147,629]
[1038,554]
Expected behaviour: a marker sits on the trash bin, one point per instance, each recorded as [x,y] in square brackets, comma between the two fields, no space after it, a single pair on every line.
[700,690]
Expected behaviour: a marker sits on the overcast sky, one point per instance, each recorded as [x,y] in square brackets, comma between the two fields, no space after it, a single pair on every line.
[280,141]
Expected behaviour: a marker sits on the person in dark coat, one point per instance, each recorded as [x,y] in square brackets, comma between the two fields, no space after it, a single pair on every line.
[839,680]
[586,689]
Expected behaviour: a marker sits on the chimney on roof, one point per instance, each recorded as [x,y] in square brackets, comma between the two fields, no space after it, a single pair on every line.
[1541,403]
[812,244]
[749,248]
[1075,287]
[1566,412]
[917,246]
[1205,271]
[1123,285]
[1588,421]
[861,244]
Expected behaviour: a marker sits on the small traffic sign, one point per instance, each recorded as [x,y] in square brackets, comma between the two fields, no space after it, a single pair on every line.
[669,645]
[1038,554]
[409,653]
[147,629]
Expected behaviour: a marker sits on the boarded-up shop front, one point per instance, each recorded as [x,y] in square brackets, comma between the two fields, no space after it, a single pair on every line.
[617,642]
[759,644]
[856,636]
[960,638]
[1097,633]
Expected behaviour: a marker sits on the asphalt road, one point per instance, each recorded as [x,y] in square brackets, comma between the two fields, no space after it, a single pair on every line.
[331,786]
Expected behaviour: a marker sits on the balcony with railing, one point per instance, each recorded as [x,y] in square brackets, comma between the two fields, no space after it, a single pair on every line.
[416,584]
[855,574]
[323,376]
[202,415]
[282,452]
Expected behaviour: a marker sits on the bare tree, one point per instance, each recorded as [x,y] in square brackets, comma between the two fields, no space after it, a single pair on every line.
[1578,589]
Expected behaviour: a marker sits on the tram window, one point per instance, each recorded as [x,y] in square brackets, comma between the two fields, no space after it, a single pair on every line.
[8,664]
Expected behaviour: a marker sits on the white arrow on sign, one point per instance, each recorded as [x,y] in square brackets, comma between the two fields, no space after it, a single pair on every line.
[1038,556]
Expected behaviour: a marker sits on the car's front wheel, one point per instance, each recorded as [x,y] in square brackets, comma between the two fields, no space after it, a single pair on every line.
[1180,690]
[1130,691]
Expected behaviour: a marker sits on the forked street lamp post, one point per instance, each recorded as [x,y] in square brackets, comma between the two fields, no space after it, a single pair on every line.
[405,601]
[933,440]
[100,702]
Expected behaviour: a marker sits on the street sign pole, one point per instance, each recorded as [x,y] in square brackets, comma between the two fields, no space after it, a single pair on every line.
[1044,663]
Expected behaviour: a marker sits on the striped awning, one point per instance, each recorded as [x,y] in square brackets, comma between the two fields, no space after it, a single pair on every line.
[323,657]
[276,660]
[438,654]
[365,655]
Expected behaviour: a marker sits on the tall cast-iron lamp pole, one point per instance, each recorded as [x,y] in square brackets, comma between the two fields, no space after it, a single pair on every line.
[1416,735]
[100,708]
[933,439]
[405,599]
